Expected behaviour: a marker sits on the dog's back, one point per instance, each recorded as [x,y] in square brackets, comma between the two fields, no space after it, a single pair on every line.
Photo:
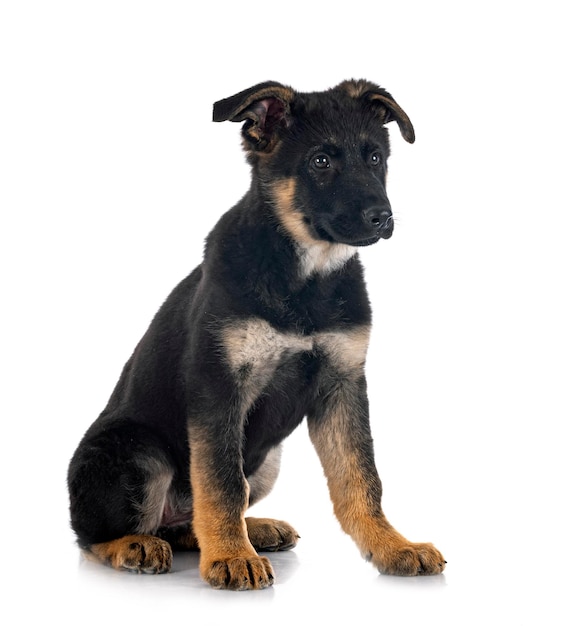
[272,326]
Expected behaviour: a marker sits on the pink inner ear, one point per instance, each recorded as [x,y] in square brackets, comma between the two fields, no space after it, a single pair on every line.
[270,111]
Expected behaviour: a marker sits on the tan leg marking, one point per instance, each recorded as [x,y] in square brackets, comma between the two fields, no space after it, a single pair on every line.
[228,560]
[362,519]
[344,450]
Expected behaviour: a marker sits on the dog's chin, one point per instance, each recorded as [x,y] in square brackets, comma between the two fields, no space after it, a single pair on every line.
[354,241]
[368,242]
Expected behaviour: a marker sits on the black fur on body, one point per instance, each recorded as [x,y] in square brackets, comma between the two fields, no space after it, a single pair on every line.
[270,328]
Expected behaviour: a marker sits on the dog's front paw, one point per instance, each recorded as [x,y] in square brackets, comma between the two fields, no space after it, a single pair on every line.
[239,573]
[409,559]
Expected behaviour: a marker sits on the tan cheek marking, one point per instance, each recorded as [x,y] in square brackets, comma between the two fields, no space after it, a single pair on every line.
[291,219]
[316,255]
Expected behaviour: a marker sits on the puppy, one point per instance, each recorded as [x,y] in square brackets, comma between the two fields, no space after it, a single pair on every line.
[271,328]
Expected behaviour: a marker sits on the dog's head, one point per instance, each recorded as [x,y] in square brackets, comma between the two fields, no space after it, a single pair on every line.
[321,157]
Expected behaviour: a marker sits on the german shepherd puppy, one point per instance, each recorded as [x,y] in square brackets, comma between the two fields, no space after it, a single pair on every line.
[273,326]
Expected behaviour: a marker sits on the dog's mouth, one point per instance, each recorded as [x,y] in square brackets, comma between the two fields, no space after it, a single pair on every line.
[384,233]
[366,242]
[359,242]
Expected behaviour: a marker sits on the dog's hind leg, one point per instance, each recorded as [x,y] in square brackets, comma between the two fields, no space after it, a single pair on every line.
[266,534]
[118,496]
[270,535]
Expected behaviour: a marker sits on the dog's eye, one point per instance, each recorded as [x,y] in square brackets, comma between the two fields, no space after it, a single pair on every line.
[375,158]
[321,161]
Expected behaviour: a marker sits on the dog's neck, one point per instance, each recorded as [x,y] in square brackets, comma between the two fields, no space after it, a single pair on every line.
[322,257]
[315,255]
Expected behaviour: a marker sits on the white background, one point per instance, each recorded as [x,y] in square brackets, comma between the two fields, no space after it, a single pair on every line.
[111,175]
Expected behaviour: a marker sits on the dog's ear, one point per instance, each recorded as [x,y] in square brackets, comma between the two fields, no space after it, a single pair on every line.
[383,103]
[265,110]
[392,112]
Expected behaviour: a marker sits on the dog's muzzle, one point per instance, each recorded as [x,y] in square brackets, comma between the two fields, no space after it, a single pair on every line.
[365,228]
[379,219]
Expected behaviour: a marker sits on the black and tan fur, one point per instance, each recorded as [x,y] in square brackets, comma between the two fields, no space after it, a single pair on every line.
[272,327]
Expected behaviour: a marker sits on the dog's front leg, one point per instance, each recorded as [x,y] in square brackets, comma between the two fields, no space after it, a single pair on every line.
[339,429]
[220,499]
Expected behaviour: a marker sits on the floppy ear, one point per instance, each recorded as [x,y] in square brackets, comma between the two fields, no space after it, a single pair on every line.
[264,108]
[383,104]
[391,111]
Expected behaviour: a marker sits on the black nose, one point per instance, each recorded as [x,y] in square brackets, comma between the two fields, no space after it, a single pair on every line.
[378,217]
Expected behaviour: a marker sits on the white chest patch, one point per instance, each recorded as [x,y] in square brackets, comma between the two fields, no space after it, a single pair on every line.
[323,257]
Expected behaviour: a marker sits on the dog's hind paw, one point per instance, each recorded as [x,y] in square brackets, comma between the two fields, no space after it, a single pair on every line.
[136,553]
[271,535]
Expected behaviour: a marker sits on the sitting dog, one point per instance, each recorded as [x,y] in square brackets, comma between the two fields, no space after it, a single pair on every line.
[271,327]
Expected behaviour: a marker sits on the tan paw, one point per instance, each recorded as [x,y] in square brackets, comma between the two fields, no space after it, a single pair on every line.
[137,553]
[270,534]
[409,559]
[239,573]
